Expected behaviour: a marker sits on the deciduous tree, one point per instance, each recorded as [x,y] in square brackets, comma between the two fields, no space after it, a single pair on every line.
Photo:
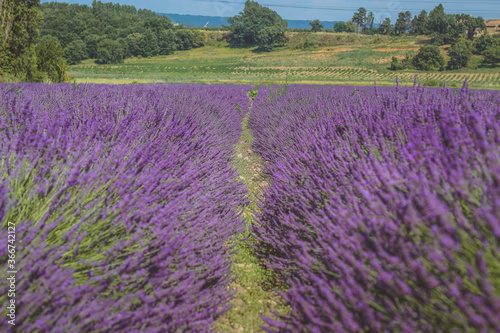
[109,52]
[460,54]
[75,52]
[428,58]
[257,26]
[403,23]
[359,18]
[50,59]
[316,26]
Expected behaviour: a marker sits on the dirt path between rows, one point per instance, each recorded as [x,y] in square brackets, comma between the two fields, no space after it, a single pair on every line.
[254,284]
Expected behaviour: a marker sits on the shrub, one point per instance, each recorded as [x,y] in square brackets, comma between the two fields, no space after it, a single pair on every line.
[428,58]
[395,64]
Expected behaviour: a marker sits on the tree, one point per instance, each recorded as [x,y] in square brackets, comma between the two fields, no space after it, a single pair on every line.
[471,24]
[418,23]
[484,41]
[184,39]
[92,41]
[385,27]
[443,28]
[340,26]
[492,55]
[257,26]
[351,26]
[109,52]
[158,23]
[19,22]
[395,64]
[316,26]
[199,38]
[403,23]
[369,20]
[135,42]
[428,58]
[149,44]
[167,42]
[359,18]
[460,54]
[139,32]
[75,52]
[50,60]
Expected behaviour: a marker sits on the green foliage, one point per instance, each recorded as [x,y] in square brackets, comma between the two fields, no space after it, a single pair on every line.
[485,41]
[359,18]
[167,42]
[471,24]
[257,26]
[351,26]
[492,55]
[199,38]
[369,21]
[418,23]
[253,93]
[340,26]
[447,28]
[148,46]
[395,64]
[109,52]
[158,24]
[50,60]
[139,32]
[75,52]
[385,27]
[460,54]
[348,26]
[316,26]
[403,23]
[428,58]
[184,39]
[19,21]
[91,41]
[134,42]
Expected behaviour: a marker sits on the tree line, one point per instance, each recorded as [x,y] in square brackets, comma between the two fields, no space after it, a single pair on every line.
[443,28]
[262,27]
[38,41]
[111,32]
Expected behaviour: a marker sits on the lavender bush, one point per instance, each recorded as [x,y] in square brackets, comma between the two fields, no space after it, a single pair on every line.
[383,209]
[125,205]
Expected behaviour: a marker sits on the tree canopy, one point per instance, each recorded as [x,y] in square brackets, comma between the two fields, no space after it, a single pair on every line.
[316,26]
[257,26]
[428,58]
[460,54]
[138,32]
[19,22]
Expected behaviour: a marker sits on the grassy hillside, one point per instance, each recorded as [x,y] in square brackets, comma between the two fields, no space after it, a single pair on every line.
[320,58]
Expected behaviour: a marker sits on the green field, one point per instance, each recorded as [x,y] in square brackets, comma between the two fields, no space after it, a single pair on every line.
[320,58]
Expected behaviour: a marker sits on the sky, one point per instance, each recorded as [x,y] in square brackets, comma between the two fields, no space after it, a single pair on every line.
[328,10]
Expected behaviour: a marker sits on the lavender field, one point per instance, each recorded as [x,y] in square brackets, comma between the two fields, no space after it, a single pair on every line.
[125,205]
[384,209]
[380,211]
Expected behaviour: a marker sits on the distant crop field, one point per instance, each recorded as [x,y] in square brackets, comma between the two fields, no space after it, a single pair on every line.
[335,59]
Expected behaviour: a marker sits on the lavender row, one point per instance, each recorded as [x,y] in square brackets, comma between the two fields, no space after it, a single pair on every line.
[383,212]
[125,205]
